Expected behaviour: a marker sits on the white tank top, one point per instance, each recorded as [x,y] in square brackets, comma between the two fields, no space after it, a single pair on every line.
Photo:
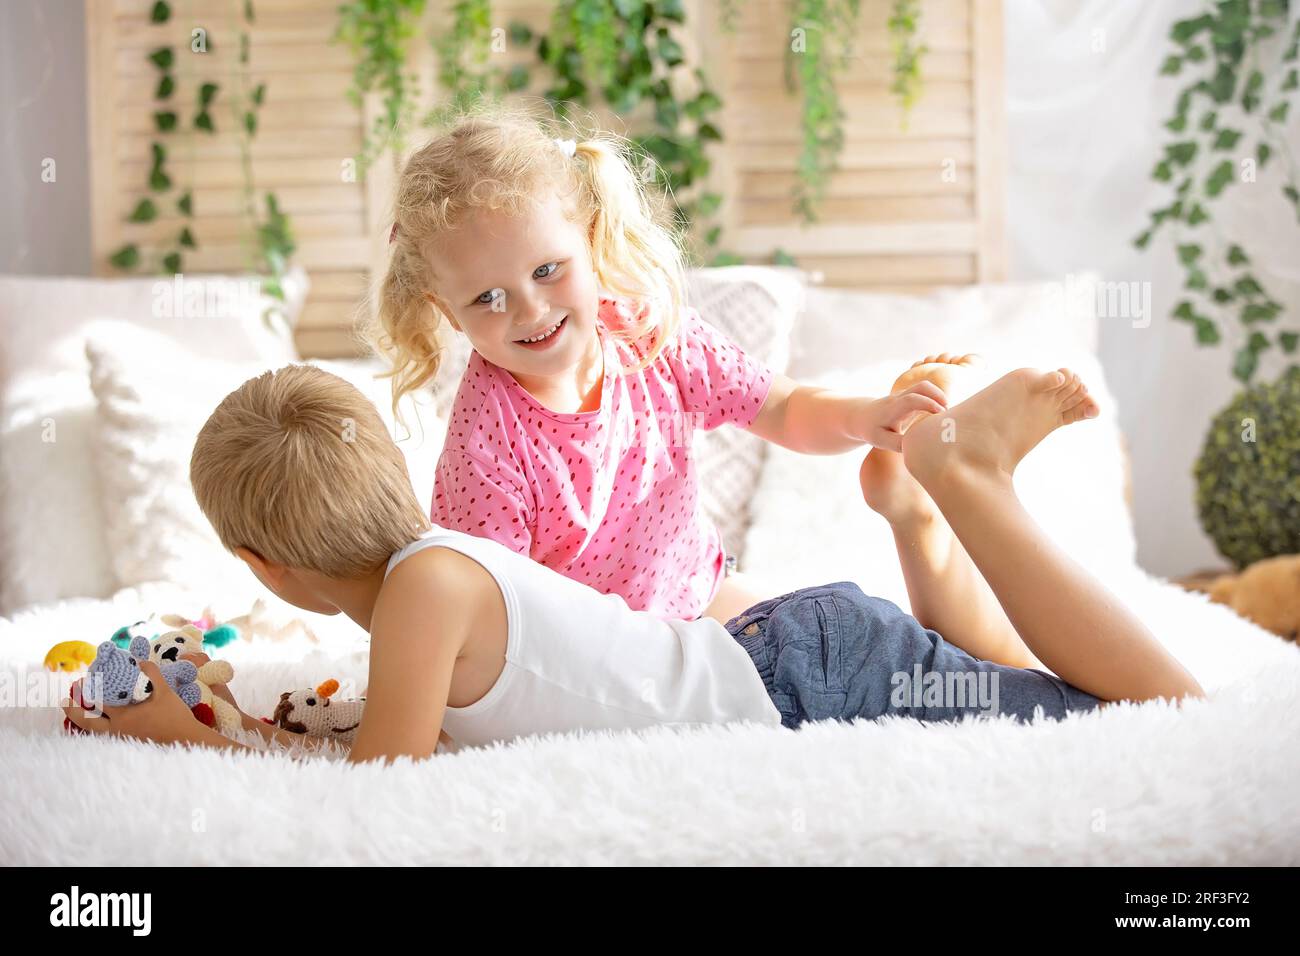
[578,659]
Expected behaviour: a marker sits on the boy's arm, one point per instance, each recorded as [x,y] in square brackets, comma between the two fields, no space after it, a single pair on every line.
[420,625]
[819,421]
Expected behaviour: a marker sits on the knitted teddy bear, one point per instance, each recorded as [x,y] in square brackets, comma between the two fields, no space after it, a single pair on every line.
[312,712]
[212,709]
[1267,592]
[114,677]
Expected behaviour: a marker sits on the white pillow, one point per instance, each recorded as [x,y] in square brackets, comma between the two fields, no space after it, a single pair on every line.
[152,400]
[811,525]
[52,543]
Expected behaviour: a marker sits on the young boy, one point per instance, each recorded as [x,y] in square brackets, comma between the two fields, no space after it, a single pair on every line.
[301,480]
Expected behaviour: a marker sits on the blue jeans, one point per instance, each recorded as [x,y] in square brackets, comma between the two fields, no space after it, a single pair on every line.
[833,652]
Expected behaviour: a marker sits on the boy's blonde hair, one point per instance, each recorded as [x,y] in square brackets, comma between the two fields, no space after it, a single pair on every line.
[503,158]
[297,466]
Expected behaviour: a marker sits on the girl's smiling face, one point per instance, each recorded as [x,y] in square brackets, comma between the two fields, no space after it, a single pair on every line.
[502,279]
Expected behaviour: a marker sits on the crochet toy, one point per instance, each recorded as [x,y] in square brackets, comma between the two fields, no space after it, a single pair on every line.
[114,679]
[215,635]
[70,656]
[1267,592]
[312,712]
[211,709]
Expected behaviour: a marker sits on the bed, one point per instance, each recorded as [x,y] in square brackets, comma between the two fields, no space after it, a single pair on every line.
[99,530]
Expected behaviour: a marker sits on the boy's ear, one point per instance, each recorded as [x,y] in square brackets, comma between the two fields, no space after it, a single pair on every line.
[266,570]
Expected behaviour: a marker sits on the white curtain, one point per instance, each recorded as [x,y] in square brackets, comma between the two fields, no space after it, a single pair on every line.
[1085,114]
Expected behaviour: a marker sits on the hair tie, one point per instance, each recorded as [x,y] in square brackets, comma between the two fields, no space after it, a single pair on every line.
[569,146]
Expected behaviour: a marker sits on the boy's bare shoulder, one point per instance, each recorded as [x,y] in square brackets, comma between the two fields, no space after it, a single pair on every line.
[437,571]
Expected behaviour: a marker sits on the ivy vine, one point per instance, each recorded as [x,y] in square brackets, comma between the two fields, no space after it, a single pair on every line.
[626,52]
[813,23]
[1230,53]
[904,20]
[268,242]
[379,33]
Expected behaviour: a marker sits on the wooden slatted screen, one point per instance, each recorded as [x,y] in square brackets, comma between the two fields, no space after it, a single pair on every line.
[892,220]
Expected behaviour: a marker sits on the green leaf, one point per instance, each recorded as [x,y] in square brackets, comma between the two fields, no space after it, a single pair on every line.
[1207,121]
[1250,96]
[166,86]
[250,122]
[1195,53]
[1258,312]
[206,94]
[144,211]
[1288,341]
[1196,279]
[1262,152]
[1237,255]
[159,181]
[259,93]
[1258,342]
[161,58]
[160,13]
[1184,30]
[1197,215]
[1290,193]
[520,33]
[1207,333]
[1292,81]
[1177,124]
[1163,172]
[1181,153]
[708,131]
[128,257]
[1187,254]
[165,121]
[1227,139]
[1171,66]
[1223,83]
[517,78]
[186,204]
[782,258]
[204,121]
[1222,296]
[1220,177]
[1184,311]
[187,238]
[1278,113]
[1244,364]
[172,262]
[1143,239]
[1247,285]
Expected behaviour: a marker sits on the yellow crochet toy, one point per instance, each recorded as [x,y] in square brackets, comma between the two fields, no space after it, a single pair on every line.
[70,656]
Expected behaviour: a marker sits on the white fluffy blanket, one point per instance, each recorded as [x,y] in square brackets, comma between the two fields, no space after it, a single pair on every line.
[1215,782]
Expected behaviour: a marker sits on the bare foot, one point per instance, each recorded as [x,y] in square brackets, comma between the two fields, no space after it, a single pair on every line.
[994,429]
[887,487]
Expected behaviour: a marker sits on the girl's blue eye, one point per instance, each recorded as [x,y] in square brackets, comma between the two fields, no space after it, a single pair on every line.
[493,293]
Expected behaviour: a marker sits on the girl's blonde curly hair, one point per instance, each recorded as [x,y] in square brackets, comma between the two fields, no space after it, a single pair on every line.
[503,158]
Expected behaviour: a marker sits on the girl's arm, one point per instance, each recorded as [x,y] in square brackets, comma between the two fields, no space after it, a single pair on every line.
[819,421]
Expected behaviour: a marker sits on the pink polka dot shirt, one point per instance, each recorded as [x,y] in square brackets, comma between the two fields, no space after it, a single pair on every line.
[607,497]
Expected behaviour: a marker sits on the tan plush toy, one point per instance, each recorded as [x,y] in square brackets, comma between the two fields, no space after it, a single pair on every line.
[189,640]
[1267,592]
[313,712]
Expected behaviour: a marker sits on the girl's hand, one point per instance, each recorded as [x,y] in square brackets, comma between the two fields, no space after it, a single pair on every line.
[162,718]
[885,419]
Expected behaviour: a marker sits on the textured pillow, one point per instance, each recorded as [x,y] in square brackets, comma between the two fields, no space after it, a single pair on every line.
[52,544]
[811,525]
[152,400]
[756,307]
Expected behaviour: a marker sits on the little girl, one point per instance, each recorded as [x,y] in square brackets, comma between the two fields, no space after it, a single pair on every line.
[570,436]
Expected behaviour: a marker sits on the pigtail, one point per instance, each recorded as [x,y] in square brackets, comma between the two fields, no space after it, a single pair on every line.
[634,253]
